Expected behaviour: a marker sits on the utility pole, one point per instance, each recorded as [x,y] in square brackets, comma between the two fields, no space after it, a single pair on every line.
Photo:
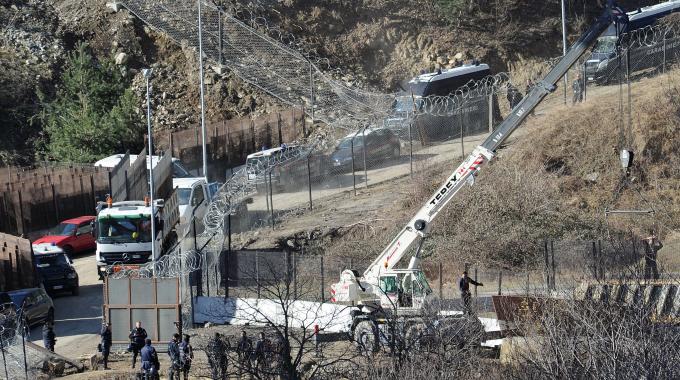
[564,47]
[200,65]
[147,75]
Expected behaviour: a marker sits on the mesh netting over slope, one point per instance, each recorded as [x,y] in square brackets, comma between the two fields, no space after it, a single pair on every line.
[261,61]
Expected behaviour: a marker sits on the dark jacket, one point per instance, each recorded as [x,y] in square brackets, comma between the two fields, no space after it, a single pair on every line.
[106,339]
[464,284]
[245,345]
[138,336]
[186,353]
[173,351]
[149,357]
[260,349]
[48,336]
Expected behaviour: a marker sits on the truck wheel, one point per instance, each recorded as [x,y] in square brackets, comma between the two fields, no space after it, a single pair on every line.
[366,337]
[76,290]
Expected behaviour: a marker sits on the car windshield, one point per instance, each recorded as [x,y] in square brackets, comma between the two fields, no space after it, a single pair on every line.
[18,298]
[179,171]
[46,261]
[346,143]
[213,188]
[404,104]
[605,45]
[183,196]
[125,230]
[63,229]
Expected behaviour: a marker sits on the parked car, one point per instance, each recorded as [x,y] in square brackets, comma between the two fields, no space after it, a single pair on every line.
[289,167]
[8,317]
[72,235]
[381,144]
[55,269]
[33,305]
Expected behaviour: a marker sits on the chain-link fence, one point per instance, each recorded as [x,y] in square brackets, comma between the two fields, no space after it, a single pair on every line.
[367,138]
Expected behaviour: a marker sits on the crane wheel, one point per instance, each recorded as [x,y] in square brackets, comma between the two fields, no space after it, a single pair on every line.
[366,337]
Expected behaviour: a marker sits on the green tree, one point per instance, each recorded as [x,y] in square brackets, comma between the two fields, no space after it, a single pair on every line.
[93,112]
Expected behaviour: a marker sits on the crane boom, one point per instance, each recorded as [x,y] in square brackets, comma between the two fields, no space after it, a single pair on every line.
[419,225]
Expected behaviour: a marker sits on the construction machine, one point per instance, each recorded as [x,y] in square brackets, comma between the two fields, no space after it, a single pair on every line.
[383,292]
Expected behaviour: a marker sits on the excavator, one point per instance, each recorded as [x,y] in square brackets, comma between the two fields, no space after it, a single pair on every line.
[383,292]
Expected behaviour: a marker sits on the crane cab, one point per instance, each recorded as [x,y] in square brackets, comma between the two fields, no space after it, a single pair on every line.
[403,289]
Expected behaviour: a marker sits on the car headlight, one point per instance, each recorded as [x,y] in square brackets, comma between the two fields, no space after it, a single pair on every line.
[72,275]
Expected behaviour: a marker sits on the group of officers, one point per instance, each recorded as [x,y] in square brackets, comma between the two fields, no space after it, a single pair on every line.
[263,358]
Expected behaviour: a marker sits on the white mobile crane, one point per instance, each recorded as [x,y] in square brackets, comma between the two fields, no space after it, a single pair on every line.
[383,290]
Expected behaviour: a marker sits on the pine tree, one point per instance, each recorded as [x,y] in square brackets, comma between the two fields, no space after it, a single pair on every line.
[92,115]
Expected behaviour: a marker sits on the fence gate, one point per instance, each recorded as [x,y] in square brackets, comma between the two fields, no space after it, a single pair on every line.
[153,301]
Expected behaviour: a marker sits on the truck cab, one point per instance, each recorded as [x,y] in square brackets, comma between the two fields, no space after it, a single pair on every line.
[194,196]
[123,234]
[404,289]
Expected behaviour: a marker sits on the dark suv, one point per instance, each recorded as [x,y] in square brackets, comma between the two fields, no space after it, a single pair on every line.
[380,144]
[33,305]
[56,271]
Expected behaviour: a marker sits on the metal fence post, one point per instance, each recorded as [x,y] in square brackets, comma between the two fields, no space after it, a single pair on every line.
[323,297]
[585,83]
[441,282]
[311,90]
[552,263]
[220,32]
[363,135]
[271,197]
[410,144]
[462,142]
[257,272]
[226,259]
[599,258]
[663,66]
[354,178]
[630,101]
[295,292]
[491,112]
[309,182]
[500,282]
[546,264]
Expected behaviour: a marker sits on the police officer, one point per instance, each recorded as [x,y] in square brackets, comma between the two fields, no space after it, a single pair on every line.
[244,350]
[137,340]
[106,343]
[216,351]
[48,336]
[174,354]
[186,356]
[464,287]
[150,362]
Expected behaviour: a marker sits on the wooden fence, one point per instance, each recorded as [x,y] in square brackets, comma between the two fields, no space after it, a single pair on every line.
[16,263]
[38,198]
[231,141]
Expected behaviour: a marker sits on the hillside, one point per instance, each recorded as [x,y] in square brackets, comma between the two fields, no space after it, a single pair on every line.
[372,42]
[553,181]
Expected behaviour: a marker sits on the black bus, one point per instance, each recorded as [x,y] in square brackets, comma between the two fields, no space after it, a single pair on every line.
[440,120]
[603,64]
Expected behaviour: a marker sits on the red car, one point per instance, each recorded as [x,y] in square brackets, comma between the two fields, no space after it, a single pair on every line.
[73,235]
